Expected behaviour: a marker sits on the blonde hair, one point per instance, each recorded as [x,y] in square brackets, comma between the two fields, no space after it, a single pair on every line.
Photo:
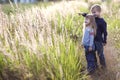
[96,6]
[92,22]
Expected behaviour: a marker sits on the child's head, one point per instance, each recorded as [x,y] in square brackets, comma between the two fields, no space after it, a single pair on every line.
[96,10]
[90,21]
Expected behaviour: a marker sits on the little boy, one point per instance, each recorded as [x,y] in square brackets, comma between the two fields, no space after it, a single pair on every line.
[101,35]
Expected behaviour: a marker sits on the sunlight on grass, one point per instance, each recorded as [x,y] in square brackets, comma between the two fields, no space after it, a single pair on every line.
[42,43]
[39,40]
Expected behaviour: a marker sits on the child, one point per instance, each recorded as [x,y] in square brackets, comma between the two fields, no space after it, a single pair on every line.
[101,35]
[89,31]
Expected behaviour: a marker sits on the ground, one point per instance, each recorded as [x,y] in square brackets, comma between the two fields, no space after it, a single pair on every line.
[112,72]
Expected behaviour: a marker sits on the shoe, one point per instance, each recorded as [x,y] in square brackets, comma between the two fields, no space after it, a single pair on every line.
[89,73]
[103,67]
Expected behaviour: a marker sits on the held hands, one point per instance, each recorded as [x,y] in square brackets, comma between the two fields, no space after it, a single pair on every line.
[90,48]
[104,44]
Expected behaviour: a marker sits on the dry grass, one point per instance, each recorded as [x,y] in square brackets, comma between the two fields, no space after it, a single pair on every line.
[34,41]
[41,43]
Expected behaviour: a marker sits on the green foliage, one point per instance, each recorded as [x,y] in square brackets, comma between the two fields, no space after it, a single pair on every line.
[58,58]
[64,64]
[43,48]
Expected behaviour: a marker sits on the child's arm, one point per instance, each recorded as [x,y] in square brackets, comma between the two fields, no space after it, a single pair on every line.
[83,14]
[83,36]
[104,32]
[82,42]
[91,40]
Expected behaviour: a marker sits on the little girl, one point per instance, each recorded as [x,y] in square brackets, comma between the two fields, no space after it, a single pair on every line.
[89,31]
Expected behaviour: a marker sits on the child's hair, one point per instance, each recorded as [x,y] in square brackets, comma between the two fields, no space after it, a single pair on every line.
[92,22]
[96,6]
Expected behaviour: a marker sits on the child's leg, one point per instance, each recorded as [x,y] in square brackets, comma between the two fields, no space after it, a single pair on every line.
[90,60]
[95,59]
[99,49]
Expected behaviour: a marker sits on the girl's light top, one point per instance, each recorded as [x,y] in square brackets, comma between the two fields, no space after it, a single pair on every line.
[88,36]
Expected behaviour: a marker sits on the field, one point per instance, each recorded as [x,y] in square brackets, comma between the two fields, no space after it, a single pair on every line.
[42,41]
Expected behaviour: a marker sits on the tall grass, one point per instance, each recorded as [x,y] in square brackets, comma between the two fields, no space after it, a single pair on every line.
[42,43]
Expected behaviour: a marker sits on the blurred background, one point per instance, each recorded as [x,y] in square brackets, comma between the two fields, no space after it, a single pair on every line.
[41,40]
[33,1]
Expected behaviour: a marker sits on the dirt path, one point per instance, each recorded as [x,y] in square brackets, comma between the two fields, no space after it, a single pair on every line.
[112,72]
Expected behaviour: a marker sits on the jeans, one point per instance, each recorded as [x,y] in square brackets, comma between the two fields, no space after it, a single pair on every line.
[99,49]
[90,58]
